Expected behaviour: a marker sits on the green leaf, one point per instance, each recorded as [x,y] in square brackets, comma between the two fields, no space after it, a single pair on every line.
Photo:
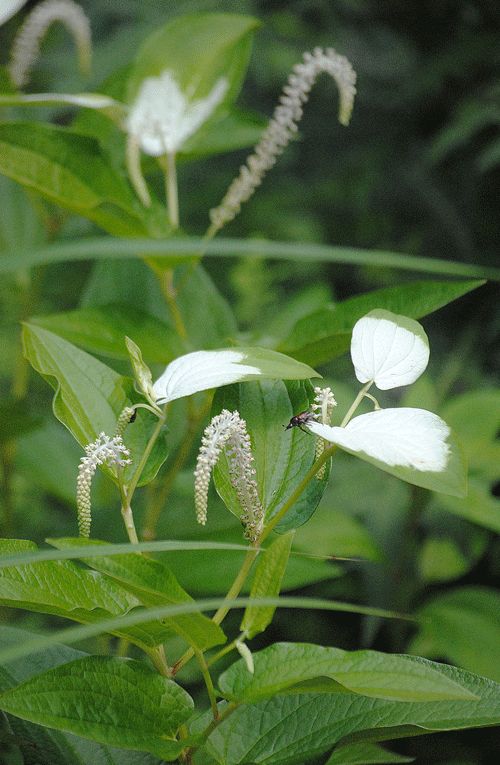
[118,702]
[70,170]
[267,584]
[283,666]
[334,532]
[153,584]
[326,333]
[479,506]
[90,396]
[449,626]
[196,50]
[365,754]
[301,727]
[55,747]
[102,329]
[282,458]
[475,416]
[64,589]
[240,129]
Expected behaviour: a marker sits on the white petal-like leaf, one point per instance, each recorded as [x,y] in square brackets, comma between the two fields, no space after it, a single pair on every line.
[203,370]
[412,444]
[388,349]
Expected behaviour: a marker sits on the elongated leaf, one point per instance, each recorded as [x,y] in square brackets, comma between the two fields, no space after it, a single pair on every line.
[266,584]
[282,458]
[90,396]
[70,170]
[63,589]
[119,702]
[283,666]
[102,329]
[302,727]
[449,626]
[188,247]
[326,333]
[153,584]
[365,754]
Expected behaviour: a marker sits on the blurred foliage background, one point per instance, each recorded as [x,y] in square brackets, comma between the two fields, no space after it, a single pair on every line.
[417,171]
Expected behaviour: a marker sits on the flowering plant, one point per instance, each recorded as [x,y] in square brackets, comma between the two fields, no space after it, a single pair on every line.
[174,370]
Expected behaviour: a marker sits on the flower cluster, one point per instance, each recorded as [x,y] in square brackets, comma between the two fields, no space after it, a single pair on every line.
[324,401]
[283,125]
[26,48]
[104,450]
[228,431]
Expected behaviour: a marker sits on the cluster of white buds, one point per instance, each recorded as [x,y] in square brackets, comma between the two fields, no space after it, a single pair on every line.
[104,450]
[283,125]
[228,431]
[324,401]
[26,47]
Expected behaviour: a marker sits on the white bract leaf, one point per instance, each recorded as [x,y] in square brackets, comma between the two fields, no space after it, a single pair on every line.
[9,7]
[388,349]
[406,437]
[202,370]
[163,117]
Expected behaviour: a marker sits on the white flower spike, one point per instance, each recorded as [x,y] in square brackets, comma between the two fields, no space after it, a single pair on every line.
[388,350]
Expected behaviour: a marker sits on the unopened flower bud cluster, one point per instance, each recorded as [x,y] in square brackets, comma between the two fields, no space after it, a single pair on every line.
[228,431]
[283,125]
[104,450]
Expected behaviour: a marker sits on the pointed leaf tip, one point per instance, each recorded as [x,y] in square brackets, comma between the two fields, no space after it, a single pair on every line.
[388,349]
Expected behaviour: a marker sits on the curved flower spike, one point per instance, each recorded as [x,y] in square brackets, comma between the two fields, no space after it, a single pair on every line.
[388,349]
[203,370]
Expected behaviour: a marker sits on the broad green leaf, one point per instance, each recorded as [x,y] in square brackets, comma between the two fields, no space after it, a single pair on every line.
[267,584]
[462,626]
[153,584]
[412,444]
[302,727]
[282,458]
[475,416]
[239,129]
[102,329]
[90,396]
[70,170]
[479,506]
[440,559]
[192,68]
[365,754]
[333,532]
[282,667]
[118,702]
[55,747]
[64,589]
[326,333]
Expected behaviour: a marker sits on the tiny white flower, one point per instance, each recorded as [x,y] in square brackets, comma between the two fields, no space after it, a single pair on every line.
[163,117]
[202,370]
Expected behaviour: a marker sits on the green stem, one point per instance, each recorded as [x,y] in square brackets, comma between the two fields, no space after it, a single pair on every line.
[208,682]
[356,403]
[147,451]
[172,191]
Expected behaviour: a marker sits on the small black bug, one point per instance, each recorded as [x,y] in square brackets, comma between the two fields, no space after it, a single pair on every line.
[301,419]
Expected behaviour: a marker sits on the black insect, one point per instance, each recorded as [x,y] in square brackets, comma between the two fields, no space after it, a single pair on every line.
[301,419]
